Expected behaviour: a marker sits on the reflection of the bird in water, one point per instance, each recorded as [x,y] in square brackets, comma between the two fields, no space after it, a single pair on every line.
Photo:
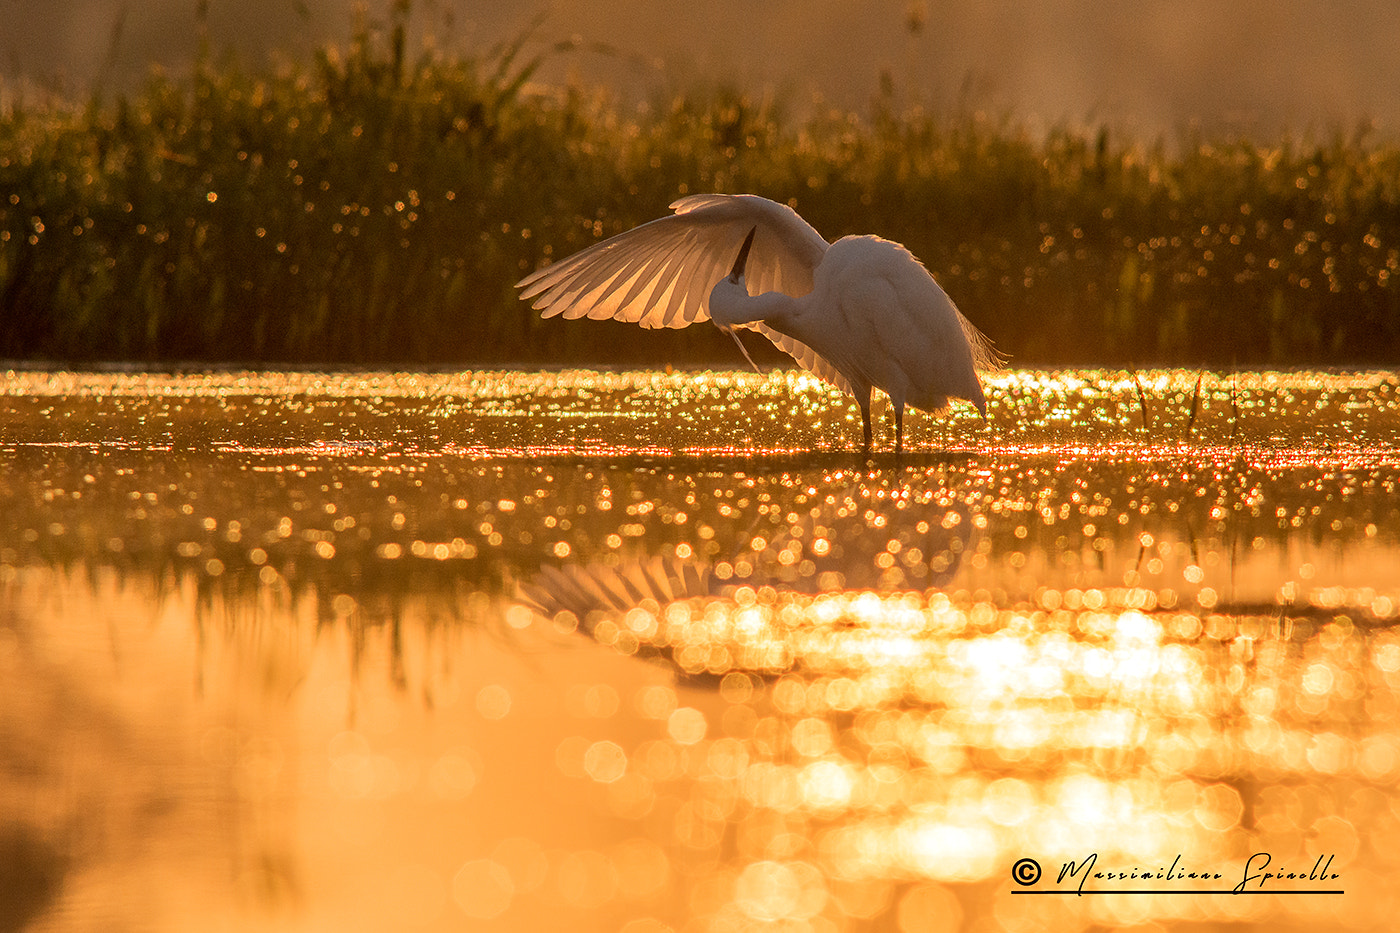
[829,548]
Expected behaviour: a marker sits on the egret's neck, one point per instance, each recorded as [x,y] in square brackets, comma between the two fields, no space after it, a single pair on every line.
[732,305]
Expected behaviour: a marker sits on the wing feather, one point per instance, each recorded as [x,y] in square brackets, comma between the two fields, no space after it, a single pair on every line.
[809,359]
[684,264]
[660,274]
[619,273]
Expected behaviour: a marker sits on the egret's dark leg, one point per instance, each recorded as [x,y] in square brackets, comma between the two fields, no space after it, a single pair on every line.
[864,402]
[898,428]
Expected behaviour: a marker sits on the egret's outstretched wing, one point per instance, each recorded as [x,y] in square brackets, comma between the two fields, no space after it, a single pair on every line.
[809,359]
[660,274]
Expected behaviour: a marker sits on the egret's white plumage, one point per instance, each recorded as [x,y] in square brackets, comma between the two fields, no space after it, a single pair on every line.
[860,313]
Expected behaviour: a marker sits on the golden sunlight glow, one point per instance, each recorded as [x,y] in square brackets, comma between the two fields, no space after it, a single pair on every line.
[653,651]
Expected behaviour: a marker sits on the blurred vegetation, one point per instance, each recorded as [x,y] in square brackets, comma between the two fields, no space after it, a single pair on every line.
[373,207]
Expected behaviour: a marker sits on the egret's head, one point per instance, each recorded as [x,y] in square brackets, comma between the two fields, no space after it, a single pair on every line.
[730,295]
[730,302]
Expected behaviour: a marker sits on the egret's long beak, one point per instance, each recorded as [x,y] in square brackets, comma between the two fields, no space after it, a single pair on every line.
[738,271]
[742,349]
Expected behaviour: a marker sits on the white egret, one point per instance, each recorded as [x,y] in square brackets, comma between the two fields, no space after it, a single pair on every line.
[859,313]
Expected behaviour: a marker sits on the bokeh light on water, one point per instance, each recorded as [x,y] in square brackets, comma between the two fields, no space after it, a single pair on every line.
[653,651]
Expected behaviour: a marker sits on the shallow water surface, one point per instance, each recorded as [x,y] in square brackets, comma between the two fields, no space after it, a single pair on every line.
[651,651]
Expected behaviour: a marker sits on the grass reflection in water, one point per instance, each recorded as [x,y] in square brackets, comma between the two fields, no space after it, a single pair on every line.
[328,631]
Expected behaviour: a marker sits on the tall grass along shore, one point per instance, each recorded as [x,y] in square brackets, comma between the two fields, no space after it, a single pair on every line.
[368,207]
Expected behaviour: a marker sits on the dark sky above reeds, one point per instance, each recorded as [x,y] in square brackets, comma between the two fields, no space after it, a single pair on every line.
[1257,66]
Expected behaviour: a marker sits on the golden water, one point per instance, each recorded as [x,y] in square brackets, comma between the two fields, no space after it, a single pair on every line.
[648,651]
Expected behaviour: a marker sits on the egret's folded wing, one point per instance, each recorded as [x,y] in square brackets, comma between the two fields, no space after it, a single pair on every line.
[809,359]
[660,274]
